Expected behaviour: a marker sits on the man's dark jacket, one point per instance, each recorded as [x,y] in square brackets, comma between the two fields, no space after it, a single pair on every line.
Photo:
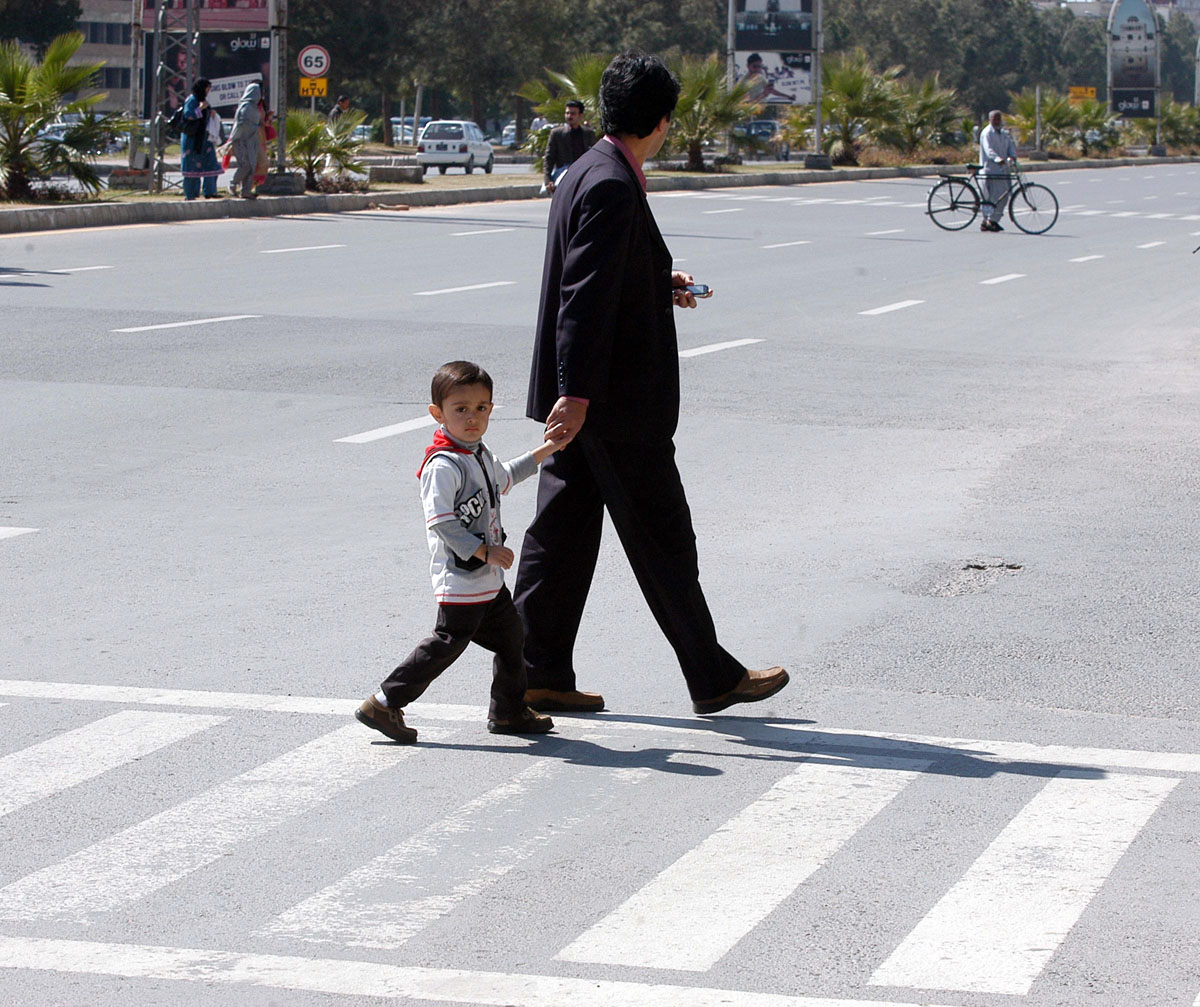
[606,325]
[560,147]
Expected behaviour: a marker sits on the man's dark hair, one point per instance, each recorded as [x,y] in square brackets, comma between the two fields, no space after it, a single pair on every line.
[574,103]
[200,88]
[456,374]
[636,91]
[342,97]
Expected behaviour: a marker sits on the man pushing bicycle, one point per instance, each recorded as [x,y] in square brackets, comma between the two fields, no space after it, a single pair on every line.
[996,153]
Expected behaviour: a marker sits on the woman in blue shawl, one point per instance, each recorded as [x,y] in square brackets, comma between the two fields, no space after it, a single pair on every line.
[198,143]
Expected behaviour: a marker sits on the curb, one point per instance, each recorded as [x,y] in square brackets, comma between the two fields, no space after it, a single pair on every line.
[53,218]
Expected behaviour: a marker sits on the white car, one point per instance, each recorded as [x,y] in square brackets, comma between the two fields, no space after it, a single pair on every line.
[454,143]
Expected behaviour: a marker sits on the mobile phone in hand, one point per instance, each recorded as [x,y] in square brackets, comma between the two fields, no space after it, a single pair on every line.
[699,289]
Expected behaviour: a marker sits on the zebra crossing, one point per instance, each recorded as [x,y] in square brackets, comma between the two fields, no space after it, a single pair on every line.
[1051,824]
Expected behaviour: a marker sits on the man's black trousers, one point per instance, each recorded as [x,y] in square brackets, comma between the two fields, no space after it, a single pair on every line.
[495,626]
[639,484]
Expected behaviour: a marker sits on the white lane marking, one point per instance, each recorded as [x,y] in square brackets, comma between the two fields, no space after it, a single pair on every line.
[697,351]
[914,206]
[914,746]
[342,977]
[14,532]
[787,244]
[302,248]
[1087,258]
[83,269]
[486,230]
[459,290]
[86,752]
[1159,216]
[182,325]
[1091,213]
[894,230]
[1001,279]
[381,432]
[1126,213]
[731,209]
[891,307]
[386,902]
[1152,244]
[118,871]
[795,827]
[1191,216]
[847,202]
[994,931]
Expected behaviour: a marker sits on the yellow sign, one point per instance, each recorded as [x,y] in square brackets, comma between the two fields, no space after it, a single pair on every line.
[318,87]
[1078,95]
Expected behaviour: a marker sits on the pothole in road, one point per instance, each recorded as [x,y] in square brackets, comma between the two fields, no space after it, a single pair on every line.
[970,577]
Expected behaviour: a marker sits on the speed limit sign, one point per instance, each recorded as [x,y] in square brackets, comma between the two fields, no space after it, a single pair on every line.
[313,61]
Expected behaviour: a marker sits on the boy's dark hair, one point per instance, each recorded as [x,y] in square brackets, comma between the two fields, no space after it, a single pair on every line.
[574,103]
[456,374]
[636,91]
[200,88]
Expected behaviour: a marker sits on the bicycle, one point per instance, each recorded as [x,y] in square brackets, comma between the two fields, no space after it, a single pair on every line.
[955,201]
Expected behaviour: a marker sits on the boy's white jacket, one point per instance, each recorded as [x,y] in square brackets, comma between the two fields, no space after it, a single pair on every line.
[460,492]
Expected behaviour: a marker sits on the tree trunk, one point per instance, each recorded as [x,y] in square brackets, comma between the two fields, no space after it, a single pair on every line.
[695,156]
[385,110]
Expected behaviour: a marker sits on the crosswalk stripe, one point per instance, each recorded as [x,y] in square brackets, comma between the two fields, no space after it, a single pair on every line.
[162,849]
[85,753]
[994,931]
[696,910]
[386,902]
[336,976]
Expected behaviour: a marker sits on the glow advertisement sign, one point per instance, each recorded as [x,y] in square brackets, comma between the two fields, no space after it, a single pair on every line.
[773,25]
[775,78]
[1133,59]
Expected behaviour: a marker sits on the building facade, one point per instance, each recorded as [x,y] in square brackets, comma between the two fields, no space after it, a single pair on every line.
[107,37]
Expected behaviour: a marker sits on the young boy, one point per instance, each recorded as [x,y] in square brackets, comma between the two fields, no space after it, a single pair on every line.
[461,485]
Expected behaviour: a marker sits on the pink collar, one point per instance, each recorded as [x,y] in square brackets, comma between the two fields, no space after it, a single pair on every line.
[628,155]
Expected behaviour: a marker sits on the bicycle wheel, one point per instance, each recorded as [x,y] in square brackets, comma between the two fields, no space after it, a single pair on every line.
[953,204]
[1033,208]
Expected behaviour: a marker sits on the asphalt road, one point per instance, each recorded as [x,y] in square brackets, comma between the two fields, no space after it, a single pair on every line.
[947,479]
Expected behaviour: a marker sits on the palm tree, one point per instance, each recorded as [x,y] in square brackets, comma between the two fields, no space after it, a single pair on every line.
[707,107]
[925,110]
[581,82]
[1096,125]
[857,100]
[33,96]
[314,143]
[1059,116]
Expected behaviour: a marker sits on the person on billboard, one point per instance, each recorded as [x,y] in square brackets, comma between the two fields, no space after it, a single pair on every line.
[198,142]
[762,89]
[245,135]
[606,368]
[996,153]
[566,145]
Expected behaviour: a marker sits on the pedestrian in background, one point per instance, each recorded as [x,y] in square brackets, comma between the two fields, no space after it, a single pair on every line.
[340,108]
[997,154]
[566,145]
[202,132]
[244,138]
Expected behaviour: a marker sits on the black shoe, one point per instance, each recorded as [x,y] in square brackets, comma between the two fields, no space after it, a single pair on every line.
[996,226]
[985,226]
[528,721]
[386,720]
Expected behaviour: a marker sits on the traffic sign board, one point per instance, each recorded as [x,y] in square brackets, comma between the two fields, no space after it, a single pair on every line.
[314,61]
[314,87]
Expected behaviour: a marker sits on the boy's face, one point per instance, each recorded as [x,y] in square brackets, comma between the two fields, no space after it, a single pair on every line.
[465,412]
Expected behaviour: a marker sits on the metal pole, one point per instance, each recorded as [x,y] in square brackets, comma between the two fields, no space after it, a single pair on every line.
[417,112]
[136,85]
[1037,127]
[1196,99]
[730,42]
[279,81]
[818,49]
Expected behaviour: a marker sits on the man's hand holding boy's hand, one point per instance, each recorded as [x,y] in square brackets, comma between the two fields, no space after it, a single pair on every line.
[497,555]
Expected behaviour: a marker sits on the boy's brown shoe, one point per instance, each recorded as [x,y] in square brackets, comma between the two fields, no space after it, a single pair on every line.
[755,685]
[528,721]
[386,720]
[559,701]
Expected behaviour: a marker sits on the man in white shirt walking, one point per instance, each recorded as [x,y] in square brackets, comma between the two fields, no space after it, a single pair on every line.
[997,153]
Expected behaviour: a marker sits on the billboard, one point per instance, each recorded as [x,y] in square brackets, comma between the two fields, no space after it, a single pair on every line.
[215,15]
[775,78]
[1132,58]
[222,56]
[775,25]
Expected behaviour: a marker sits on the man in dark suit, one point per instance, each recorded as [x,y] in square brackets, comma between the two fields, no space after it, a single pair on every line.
[566,145]
[606,367]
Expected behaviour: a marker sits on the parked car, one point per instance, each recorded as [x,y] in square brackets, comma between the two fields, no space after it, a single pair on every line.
[454,143]
[764,136]
[508,136]
[402,130]
[362,133]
